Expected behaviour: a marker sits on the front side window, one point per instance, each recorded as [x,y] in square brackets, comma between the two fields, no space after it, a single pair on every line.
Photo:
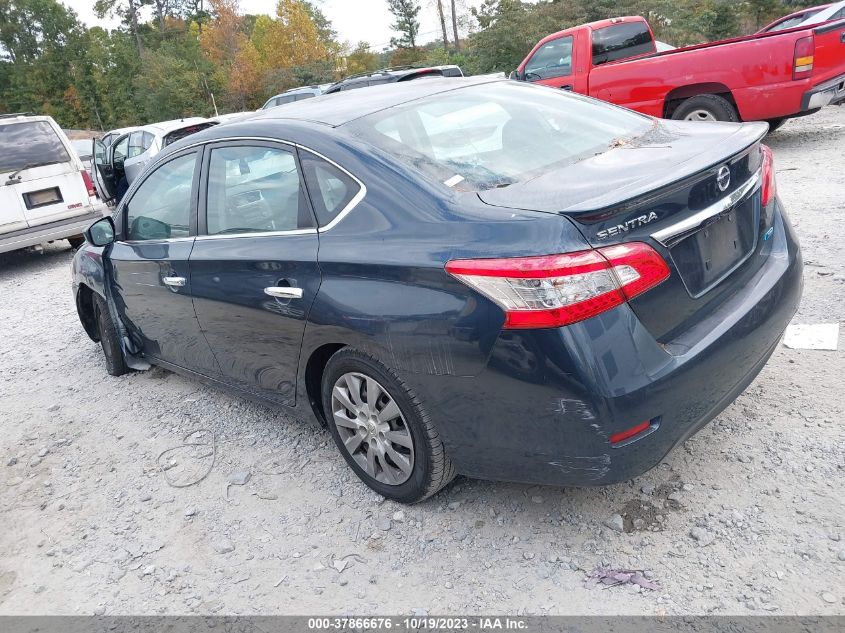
[254,189]
[331,188]
[620,41]
[497,134]
[30,144]
[552,59]
[161,207]
[121,150]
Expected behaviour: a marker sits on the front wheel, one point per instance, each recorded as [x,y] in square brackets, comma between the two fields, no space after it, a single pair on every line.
[382,429]
[109,339]
[706,108]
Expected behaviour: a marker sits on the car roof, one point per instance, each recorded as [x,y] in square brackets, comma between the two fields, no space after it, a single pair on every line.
[339,108]
[24,116]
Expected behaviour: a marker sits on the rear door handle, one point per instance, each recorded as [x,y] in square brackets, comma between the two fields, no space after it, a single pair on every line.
[284,292]
[568,87]
[176,282]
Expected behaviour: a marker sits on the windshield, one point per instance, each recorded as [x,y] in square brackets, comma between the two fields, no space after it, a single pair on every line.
[30,144]
[497,134]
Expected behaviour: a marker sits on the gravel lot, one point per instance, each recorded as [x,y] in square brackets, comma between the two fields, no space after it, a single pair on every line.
[746,517]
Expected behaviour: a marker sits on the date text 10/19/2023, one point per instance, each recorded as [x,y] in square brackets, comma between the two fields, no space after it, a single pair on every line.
[418,623]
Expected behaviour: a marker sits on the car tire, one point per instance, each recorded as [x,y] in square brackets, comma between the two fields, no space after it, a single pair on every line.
[76,242]
[775,124]
[706,108]
[397,450]
[109,339]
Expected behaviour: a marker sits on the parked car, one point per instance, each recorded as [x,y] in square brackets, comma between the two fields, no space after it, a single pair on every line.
[294,94]
[457,276]
[807,17]
[393,75]
[769,77]
[45,192]
[126,153]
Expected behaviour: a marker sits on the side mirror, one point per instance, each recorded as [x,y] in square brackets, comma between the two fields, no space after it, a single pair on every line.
[101,233]
[516,75]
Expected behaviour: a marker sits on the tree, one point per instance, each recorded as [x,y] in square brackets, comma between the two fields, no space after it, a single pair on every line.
[361,59]
[127,10]
[405,12]
[455,27]
[442,17]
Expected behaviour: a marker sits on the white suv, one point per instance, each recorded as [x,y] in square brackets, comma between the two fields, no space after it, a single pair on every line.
[45,192]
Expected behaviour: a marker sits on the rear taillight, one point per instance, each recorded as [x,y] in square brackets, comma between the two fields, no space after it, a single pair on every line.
[555,290]
[92,192]
[769,188]
[802,66]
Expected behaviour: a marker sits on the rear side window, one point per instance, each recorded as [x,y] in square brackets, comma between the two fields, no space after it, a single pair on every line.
[331,188]
[620,41]
[161,207]
[254,189]
[139,142]
[30,144]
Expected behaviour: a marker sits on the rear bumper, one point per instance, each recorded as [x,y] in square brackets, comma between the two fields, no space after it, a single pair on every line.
[53,231]
[548,401]
[831,92]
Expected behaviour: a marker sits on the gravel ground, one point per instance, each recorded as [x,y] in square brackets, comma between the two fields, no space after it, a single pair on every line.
[745,518]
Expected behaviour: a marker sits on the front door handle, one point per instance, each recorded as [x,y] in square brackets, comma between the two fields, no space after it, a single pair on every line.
[568,87]
[176,282]
[284,292]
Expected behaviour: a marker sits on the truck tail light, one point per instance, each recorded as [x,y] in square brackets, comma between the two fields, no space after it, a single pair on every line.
[92,192]
[556,290]
[769,187]
[805,49]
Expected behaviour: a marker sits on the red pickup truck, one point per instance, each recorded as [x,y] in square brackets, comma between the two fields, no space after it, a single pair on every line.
[763,77]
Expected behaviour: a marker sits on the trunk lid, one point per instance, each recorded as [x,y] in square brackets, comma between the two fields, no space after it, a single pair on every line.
[662,189]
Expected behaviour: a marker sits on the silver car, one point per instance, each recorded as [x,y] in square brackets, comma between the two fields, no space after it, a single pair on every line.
[127,153]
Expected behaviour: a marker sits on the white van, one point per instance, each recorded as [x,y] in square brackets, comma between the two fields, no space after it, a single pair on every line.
[45,192]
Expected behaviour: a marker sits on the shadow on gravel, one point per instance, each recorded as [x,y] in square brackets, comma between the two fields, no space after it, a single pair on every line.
[33,258]
[797,138]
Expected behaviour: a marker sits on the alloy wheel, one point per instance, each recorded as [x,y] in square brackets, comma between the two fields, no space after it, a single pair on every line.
[372,428]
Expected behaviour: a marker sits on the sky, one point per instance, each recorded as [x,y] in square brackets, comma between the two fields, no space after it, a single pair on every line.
[354,20]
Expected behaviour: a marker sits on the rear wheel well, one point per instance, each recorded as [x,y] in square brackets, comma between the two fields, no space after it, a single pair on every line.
[87,312]
[678,95]
[314,369]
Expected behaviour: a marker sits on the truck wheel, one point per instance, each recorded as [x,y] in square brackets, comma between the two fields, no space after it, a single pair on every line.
[775,124]
[76,241]
[382,429]
[115,364]
[706,108]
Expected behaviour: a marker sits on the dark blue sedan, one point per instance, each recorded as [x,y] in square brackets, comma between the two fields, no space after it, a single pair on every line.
[456,276]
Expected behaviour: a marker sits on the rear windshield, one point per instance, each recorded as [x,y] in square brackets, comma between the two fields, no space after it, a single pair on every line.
[181,133]
[30,144]
[497,134]
[620,41]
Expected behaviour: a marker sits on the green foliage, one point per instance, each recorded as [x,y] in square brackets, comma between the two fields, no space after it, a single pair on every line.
[407,23]
[169,67]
